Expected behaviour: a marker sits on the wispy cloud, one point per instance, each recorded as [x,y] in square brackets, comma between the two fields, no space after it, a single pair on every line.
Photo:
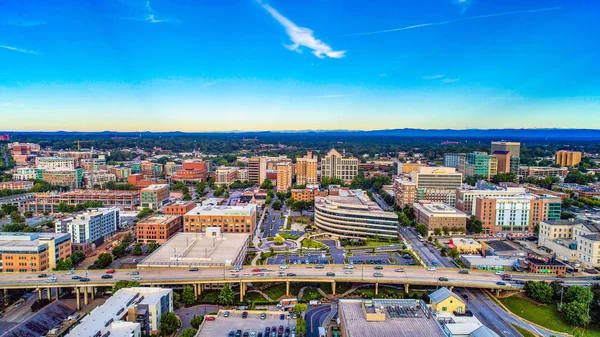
[464,5]
[304,37]
[383,75]
[440,23]
[328,96]
[19,50]
[432,77]
[450,80]
[22,22]
[150,15]
[11,105]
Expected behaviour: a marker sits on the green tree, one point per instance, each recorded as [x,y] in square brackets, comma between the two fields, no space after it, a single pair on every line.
[277,205]
[474,225]
[278,240]
[169,323]
[446,230]
[152,246]
[144,213]
[104,260]
[300,326]
[137,249]
[300,308]
[421,229]
[539,291]
[188,332]
[65,264]
[453,253]
[266,184]
[437,231]
[118,251]
[196,321]
[124,284]
[226,295]
[77,258]
[579,294]
[187,296]
[576,314]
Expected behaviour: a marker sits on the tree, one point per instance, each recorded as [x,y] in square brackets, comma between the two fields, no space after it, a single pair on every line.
[278,240]
[421,229]
[267,184]
[579,294]
[446,230]
[104,260]
[77,258]
[188,332]
[474,225]
[137,249]
[152,246]
[144,212]
[187,296]
[118,251]
[504,177]
[576,314]
[300,326]
[226,295]
[403,219]
[169,323]
[437,231]
[196,321]
[453,253]
[539,291]
[299,308]
[124,284]
[277,205]
[65,264]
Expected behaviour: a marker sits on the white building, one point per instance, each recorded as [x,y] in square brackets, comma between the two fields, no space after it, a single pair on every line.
[25,173]
[572,240]
[89,229]
[334,165]
[100,177]
[54,162]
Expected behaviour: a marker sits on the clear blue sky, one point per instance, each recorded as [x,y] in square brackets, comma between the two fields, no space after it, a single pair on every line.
[203,65]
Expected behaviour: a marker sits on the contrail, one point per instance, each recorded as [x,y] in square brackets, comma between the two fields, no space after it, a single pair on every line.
[458,20]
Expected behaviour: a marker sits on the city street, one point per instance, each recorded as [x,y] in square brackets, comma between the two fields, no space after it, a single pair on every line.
[424,250]
[314,319]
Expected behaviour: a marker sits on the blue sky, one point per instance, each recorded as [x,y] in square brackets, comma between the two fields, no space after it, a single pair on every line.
[205,65]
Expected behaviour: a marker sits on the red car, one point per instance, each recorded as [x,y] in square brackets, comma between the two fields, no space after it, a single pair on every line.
[112,271]
[210,318]
[561,276]
[256,270]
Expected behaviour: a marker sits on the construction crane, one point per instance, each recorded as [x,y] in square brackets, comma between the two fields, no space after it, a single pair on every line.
[82,141]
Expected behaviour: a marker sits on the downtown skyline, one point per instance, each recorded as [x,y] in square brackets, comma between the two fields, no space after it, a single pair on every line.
[277,65]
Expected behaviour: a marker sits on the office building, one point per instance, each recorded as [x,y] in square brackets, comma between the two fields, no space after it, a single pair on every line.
[55,163]
[191,171]
[226,175]
[158,228]
[33,252]
[23,148]
[306,170]
[122,173]
[572,240]
[71,178]
[130,312]
[513,147]
[567,158]
[210,248]
[89,229]
[154,196]
[284,177]
[503,161]
[334,165]
[140,181]
[242,175]
[409,167]
[96,179]
[308,193]
[465,197]
[439,216]
[257,169]
[543,171]
[478,164]
[351,214]
[231,219]
[49,201]
[93,164]
[16,185]
[179,207]
[443,178]
[25,173]
[148,169]
[453,159]
[405,192]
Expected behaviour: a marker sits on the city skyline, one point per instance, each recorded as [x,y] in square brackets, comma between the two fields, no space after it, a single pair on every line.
[276,65]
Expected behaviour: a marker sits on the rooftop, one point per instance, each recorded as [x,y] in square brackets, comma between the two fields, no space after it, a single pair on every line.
[593,237]
[223,210]
[352,201]
[489,260]
[28,241]
[442,294]
[158,219]
[155,187]
[438,209]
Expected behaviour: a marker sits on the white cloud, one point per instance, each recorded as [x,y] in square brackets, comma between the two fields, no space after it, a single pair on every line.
[382,75]
[304,37]
[150,16]
[11,105]
[432,77]
[450,80]
[19,50]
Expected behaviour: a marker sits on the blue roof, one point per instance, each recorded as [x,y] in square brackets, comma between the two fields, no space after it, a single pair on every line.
[442,294]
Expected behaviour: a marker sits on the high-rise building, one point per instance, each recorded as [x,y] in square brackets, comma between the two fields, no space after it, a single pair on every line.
[306,170]
[513,147]
[257,169]
[503,159]
[568,158]
[154,196]
[226,175]
[334,165]
[452,159]
[89,228]
[284,177]
[478,164]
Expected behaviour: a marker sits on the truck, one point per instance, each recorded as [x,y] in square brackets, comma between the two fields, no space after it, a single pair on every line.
[322,332]
[314,302]
[287,303]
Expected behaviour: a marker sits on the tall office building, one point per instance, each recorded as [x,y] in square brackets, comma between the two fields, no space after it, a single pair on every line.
[334,165]
[284,177]
[568,158]
[478,164]
[452,159]
[306,169]
[513,147]
[257,169]
[437,178]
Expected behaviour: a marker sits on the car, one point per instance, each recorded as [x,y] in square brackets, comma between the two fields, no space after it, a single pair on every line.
[137,278]
[431,251]
[434,263]
[231,334]
[267,331]
[294,316]
[111,271]
[235,270]
[377,274]
[226,314]
[347,271]
[134,273]
[280,330]
[18,304]
[246,334]
[210,318]
[378,268]
[591,271]
[519,282]
[84,279]
[320,266]
[288,316]
[282,317]
[193,269]
[411,263]
[596,278]
[76,277]
[260,334]
[443,279]
[263,316]
[70,272]
[463,271]
[106,276]
[294,328]
[283,266]
[291,274]
[238,333]
[406,256]
[498,273]
[253,334]
[430,268]
[245,314]
[256,270]
[273,334]
[330,273]
[287,329]
[559,281]
[349,266]
[561,276]
[399,270]
[42,275]
[273,330]
[500,283]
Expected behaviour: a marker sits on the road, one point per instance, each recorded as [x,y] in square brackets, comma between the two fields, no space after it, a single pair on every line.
[314,319]
[14,316]
[384,206]
[424,251]
[271,224]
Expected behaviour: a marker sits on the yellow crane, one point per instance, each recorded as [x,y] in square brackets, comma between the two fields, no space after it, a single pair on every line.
[82,141]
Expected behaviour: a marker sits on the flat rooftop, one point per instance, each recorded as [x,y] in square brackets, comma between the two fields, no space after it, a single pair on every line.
[414,324]
[352,201]
[155,187]
[223,210]
[196,249]
[31,242]
[159,219]
[479,260]
[438,209]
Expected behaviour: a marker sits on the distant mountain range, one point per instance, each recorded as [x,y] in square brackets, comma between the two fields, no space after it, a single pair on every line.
[505,134]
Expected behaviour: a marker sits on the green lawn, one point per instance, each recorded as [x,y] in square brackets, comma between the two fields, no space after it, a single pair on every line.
[544,315]
[310,294]
[308,243]
[276,291]
[210,297]
[287,236]
[373,243]
[525,333]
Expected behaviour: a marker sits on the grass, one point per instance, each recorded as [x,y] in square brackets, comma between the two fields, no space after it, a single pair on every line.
[276,291]
[301,219]
[308,243]
[209,297]
[544,315]
[374,243]
[310,294]
[287,236]
[525,333]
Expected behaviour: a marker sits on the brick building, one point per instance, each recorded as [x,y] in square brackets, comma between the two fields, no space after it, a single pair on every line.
[158,228]
[154,196]
[231,219]
[16,185]
[48,202]
[179,207]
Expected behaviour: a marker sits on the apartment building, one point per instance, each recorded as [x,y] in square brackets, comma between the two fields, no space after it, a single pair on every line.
[93,164]
[242,175]
[16,185]
[351,214]
[572,240]
[334,165]
[154,196]
[284,177]
[55,163]
[148,169]
[230,219]
[89,229]
[226,175]
[49,201]
[71,178]
[121,172]
[91,179]
[513,147]
[33,252]
[25,173]
[308,193]
[453,159]
[465,197]
[436,215]
[257,169]
[158,228]
[567,158]
[179,207]
[543,171]
[406,192]
[171,168]
[306,169]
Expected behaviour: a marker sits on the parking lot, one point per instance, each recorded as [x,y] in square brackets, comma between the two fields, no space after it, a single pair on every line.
[221,326]
[312,258]
[370,259]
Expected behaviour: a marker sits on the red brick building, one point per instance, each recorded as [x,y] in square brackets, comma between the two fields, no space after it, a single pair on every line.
[141,182]
[191,171]
[16,185]
[179,207]
[158,228]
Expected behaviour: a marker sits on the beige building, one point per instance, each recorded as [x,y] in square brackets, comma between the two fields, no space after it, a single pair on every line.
[226,175]
[405,192]
[513,147]
[306,170]
[543,171]
[466,197]
[334,165]
[284,177]
[438,216]
[573,240]
[444,178]
[257,169]
[567,158]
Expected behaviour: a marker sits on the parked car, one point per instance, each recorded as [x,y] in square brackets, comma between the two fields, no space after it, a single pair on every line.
[288,316]
[245,314]
[193,269]
[330,273]
[231,334]
[238,333]
[280,330]
[210,318]
[263,316]
[407,256]
[443,279]
[320,266]
[282,317]
[226,314]
[106,276]
[246,334]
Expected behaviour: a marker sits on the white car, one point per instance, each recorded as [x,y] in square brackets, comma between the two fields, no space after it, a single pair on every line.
[347,271]
[52,279]
[235,270]
[349,266]
[137,278]
[283,266]
[499,273]
[70,272]
[431,268]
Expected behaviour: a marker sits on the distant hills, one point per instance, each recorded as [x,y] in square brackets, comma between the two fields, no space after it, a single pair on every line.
[506,134]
